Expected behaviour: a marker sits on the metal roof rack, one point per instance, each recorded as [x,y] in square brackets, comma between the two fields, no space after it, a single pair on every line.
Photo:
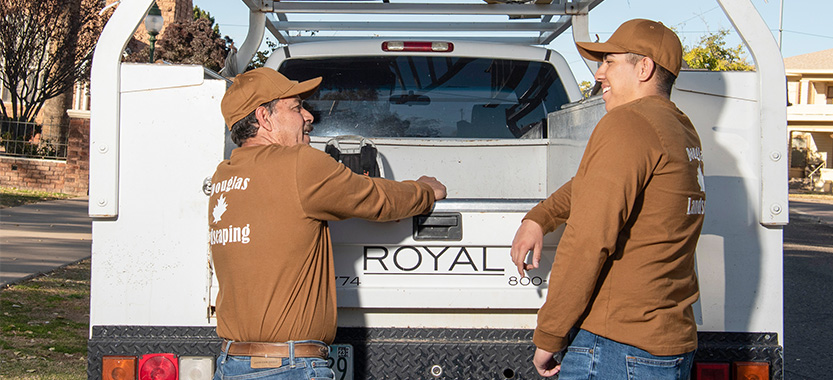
[530,17]
[528,22]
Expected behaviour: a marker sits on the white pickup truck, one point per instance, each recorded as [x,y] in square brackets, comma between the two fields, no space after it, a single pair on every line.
[497,117]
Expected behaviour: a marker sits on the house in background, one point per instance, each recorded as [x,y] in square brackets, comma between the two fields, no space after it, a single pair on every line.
[810,115]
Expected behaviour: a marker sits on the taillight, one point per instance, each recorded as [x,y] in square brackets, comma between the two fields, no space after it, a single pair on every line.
[750,370]
[424,46]
[158,367]
[118,368]
[739,371]
[196,368]
[711,371]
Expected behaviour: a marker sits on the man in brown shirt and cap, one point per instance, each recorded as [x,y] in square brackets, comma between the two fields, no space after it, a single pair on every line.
[270,243]
[623,275]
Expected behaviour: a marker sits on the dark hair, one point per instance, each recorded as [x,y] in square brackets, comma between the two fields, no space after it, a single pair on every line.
[247,127]
[665,79]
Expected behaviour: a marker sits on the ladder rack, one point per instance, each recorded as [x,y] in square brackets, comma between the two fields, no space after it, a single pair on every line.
[528,22]
[539,21]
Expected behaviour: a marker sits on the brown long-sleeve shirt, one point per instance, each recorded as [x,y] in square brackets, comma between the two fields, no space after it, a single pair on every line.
[624,267]
[271,244]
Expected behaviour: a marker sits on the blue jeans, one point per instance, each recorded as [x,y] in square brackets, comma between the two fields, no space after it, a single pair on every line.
[292,368]
[590,356]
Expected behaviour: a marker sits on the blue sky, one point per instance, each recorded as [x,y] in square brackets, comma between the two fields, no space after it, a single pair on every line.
[806,23]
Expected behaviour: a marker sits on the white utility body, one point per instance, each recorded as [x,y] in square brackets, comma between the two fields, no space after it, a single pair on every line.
[480,105]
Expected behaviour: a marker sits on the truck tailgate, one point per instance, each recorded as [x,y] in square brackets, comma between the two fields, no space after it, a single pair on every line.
[455,258]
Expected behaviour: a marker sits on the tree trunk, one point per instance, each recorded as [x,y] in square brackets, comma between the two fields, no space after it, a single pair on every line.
[55,119]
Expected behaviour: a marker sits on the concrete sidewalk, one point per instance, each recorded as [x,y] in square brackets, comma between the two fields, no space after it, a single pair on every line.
[41,237]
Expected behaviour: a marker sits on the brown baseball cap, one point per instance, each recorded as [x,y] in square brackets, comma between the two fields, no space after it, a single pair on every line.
[258,86]
[644,37]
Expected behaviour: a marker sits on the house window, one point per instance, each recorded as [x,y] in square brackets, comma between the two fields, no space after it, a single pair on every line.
[830,94]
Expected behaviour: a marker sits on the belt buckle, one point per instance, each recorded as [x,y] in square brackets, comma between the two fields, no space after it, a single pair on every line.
[261,362]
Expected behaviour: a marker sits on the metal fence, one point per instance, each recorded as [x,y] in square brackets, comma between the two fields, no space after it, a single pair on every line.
[24,139]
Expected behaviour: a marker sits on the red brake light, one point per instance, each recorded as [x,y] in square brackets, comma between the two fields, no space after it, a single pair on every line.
[711,371]
[158,367]
[424,46]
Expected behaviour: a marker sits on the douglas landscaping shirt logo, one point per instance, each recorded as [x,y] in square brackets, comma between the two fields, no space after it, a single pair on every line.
[219,209]
[230,234]
[697,206]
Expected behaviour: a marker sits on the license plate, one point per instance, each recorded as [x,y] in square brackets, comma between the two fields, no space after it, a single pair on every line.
[341,361]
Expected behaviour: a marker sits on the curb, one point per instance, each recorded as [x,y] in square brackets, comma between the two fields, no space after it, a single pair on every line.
[34,275]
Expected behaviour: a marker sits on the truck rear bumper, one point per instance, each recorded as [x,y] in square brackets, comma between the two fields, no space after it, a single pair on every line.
[417,352]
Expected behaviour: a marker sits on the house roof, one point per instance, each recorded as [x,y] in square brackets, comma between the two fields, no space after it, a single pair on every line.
[820,60]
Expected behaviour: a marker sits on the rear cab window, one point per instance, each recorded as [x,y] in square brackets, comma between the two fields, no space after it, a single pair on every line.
[430,97]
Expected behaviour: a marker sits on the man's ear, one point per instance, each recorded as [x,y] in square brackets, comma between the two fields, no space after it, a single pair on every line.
[262,115]
[646,68]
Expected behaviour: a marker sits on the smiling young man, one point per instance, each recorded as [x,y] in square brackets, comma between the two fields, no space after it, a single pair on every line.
[623,275]
[270,241]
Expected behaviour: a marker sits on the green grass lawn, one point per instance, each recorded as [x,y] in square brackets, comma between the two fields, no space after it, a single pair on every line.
[11,197]
[44,325]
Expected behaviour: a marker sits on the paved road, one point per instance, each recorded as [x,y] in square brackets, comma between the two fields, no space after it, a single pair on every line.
[40,237]
[817,210]
[808,296]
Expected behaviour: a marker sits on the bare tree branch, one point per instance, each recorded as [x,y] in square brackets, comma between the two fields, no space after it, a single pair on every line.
[46,46]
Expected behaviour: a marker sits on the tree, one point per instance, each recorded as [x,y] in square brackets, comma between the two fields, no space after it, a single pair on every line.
[199,13]
[586,87]
[46,46]
[196,41]
[711,53]
[259,60]
[261,56]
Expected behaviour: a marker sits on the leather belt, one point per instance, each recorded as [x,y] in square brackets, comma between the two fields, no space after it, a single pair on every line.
[276,350]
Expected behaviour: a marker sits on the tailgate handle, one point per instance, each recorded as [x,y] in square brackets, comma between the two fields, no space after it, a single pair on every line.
[438,226]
